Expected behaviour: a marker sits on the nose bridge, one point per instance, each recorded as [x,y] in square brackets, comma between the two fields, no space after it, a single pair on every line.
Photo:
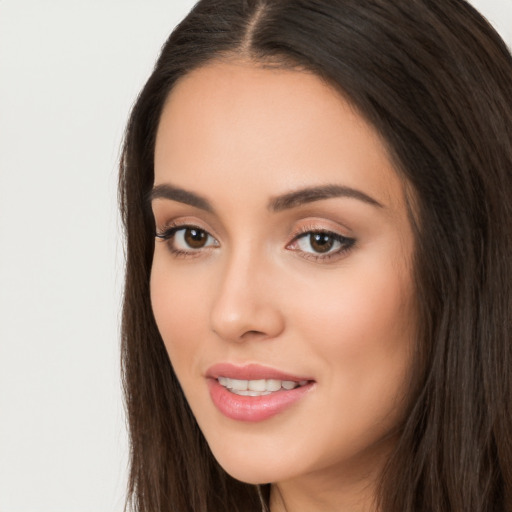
[244,304]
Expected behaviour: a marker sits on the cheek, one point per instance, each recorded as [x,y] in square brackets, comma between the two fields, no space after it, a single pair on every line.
[180,314]
[363,327]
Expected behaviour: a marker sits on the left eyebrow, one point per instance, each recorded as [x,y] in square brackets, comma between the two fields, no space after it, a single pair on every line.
[312,194]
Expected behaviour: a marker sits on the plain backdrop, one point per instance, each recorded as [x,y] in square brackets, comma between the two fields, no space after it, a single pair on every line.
[69,73]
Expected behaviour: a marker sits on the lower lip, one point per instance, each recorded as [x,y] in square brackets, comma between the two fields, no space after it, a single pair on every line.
[254,408]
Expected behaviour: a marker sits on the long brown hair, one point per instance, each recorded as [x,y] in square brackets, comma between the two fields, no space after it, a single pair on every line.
[435,80]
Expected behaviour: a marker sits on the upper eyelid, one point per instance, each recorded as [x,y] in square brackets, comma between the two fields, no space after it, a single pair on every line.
[168,236]
[321,227]
[176,227]
[337,236]
[346,245]
[182,224]
[308,226]
[165,233]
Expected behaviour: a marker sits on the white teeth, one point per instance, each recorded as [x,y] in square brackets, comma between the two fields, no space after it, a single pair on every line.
[273,385]
[258,387]
[250,393]
[238,385]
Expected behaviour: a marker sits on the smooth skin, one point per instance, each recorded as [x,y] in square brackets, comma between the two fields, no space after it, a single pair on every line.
[317,286]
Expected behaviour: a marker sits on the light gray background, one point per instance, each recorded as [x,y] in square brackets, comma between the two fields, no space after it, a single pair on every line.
[69,72]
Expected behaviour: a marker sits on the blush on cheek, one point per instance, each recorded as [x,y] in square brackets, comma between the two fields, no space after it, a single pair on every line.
[361,327]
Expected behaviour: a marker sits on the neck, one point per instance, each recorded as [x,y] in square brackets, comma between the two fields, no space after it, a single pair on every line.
[301,496]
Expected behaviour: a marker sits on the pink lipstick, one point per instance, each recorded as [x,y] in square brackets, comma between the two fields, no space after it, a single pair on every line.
[254,392]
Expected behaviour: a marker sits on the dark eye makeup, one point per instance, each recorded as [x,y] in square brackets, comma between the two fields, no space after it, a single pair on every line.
[321,245]
[187,240]
[312,244]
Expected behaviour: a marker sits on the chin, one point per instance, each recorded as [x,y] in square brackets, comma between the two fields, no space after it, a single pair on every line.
[258,466]
[251,474]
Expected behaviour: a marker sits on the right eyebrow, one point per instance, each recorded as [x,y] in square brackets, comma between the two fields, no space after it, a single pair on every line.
[181,196]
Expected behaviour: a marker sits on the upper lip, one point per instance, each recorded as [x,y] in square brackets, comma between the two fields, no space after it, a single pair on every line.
[251,371]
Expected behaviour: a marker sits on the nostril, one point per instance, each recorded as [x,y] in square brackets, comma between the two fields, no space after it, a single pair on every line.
[253,334]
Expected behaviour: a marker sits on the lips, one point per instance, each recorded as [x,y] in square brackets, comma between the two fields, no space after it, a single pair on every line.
[251,372]
[254,392]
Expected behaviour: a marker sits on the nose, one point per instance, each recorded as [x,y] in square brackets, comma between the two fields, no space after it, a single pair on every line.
[246,305]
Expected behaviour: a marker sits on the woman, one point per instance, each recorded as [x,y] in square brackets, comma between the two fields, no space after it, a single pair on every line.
[318,292]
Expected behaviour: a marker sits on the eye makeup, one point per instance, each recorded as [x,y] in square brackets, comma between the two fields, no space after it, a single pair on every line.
[311,243]
[186,240]
[321,245]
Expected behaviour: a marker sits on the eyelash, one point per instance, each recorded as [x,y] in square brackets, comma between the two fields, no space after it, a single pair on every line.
[168,235]
[346,244]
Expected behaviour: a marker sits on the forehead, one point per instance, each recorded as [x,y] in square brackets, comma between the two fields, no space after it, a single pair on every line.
[228,120]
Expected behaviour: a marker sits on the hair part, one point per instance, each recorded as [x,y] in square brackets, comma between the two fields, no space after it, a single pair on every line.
[435,80]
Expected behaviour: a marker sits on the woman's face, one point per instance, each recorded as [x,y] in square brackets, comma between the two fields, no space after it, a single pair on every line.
[281,281]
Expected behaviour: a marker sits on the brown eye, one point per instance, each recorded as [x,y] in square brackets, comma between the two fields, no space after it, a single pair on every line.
[321,242]
[195,238]
[321,245]
[187,239]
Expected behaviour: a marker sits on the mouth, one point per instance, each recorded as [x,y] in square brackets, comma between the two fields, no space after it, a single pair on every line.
[255,393]
[258,387]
